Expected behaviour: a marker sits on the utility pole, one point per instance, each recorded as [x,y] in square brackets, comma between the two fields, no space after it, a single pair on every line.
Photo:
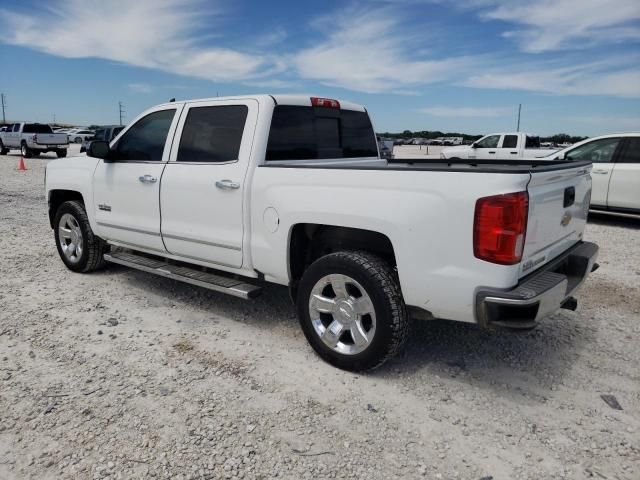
[519,109]
[122,112]
[4,120]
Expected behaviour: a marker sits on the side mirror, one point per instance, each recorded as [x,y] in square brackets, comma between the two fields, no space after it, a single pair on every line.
[473,145]
[98,149]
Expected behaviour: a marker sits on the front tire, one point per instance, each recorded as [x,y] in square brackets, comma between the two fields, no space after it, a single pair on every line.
[78,247]
[3,149]
[351,310]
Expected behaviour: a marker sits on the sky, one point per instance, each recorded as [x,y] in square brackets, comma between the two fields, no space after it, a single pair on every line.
[456,65]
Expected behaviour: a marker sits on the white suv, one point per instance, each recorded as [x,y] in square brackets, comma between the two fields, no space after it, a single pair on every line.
[616,170]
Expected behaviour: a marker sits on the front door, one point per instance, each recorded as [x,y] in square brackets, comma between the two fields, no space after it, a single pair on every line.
[203,186]
[127,188]
[485,148]
[508,147]
[601,153]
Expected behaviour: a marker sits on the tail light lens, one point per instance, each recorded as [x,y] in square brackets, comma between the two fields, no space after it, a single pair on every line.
[499,228]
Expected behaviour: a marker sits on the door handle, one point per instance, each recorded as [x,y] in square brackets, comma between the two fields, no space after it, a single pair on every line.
[515,153]
[492,152]
[227,185]
[600,172]
[147,179]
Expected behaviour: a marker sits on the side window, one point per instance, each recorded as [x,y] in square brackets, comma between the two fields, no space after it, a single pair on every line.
[16,127]
[212,134]
[114,133]
[598,151]
[631,153]
[146,138]
[489,142]
[510,141]
[99,135]
[532,142]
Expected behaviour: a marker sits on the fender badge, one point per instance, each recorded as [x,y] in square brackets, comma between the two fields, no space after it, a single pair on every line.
[566,219]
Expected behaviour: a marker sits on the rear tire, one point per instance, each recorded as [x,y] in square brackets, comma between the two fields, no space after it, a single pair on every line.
[78,140]
[61,153]
[3,149]
[25,151]
[79,248]
[351,310]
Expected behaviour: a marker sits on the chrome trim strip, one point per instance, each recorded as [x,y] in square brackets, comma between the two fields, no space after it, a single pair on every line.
[137,230]
[178,256]
[211,244]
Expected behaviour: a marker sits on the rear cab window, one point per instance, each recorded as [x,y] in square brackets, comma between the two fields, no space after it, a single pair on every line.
[316,133]
[36,128]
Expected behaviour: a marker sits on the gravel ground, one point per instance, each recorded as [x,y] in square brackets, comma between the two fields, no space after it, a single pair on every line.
[120,374]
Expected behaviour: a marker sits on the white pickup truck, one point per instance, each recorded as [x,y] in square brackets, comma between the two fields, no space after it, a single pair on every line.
[32,139]
[229,193]
[514,145]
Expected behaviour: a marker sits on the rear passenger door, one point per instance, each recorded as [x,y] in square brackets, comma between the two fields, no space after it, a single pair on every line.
[508,147]
[624,186]
[203,186]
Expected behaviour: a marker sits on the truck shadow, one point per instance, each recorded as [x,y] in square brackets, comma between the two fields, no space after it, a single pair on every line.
[531,361]
[609,220]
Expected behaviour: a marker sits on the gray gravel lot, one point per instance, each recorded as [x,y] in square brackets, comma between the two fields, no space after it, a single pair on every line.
[120,374]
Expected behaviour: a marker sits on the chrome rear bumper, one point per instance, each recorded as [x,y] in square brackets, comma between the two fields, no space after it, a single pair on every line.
[539,294]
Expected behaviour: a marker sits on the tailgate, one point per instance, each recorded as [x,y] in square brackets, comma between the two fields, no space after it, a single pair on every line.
[51,138]
[558,207]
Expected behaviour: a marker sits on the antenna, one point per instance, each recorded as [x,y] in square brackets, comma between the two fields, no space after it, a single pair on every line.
[121,111]
[519,109]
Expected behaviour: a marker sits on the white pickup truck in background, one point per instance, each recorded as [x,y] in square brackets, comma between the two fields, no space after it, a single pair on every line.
[33,139]
[514,145]
[229,193]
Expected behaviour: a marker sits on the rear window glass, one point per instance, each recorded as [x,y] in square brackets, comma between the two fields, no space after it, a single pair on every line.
[510,141]
[36,128]
[212,134]
[307,133]
[532,142]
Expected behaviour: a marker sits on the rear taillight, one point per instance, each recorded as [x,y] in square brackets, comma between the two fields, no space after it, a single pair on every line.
[499,228]
[324,102]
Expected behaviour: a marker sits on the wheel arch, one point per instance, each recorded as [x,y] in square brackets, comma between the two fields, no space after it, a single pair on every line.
[58,197]
[310,241]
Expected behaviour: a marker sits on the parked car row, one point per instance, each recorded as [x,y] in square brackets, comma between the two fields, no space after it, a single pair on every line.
[499,145]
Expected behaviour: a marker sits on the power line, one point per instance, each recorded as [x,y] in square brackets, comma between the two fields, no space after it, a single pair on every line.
[121,111]
[3,97]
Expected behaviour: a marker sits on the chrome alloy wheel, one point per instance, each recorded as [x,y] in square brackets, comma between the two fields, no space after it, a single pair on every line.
[342,314]
[70,237]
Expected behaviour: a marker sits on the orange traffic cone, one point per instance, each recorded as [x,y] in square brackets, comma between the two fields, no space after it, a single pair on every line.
[21,165]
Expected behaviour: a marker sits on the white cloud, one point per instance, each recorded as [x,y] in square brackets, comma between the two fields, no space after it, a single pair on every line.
[147,33]
[545,25]
[367,50]
[468,112]
[140,88]
[603,78]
